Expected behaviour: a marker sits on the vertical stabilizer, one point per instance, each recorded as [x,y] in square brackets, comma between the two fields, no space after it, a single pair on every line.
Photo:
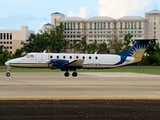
[138,49]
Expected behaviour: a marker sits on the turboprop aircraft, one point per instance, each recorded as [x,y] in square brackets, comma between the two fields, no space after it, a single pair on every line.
[73,61]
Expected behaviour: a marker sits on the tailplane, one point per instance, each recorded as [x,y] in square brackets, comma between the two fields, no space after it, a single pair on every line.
[138,49]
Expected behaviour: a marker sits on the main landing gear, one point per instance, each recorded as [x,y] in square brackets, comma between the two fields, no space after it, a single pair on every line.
[8,73]
[74,74]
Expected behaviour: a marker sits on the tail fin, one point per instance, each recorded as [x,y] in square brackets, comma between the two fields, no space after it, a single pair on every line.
[138,49]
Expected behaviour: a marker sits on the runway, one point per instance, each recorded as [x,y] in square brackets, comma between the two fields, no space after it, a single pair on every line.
[88,85]
[91,95]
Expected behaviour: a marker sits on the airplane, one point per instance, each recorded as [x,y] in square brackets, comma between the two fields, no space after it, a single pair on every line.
[74,61]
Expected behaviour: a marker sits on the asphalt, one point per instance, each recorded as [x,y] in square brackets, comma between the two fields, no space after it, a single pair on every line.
[80,110]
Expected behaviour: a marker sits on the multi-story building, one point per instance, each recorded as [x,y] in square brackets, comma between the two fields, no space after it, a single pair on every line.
[104,28]
[99,28]
[11,39]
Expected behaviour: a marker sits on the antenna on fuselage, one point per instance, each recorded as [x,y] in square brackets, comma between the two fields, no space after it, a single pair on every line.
[44,51]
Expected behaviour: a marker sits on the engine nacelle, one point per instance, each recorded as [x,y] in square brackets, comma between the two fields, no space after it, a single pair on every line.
[58,63]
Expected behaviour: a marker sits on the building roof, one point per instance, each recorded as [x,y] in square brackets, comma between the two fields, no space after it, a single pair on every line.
[48,24]
[66,19]
[155,11]
[57,13]
[101,18]
[128,18]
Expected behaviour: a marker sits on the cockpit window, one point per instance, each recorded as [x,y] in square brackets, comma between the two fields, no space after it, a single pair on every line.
[27,56]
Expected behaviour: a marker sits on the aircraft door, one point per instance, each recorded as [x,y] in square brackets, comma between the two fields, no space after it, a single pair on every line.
[39,58]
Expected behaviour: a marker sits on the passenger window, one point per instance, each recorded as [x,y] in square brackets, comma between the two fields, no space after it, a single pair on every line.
[89,57]
[70,57]
[96,57]
[51,56]
[77,57]
[83,57]
[57,56]
[64,57]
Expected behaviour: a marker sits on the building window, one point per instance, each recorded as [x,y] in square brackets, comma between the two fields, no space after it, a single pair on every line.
[108,25]
[4,35]
[121,25]
[7,36]
[90,26]
[0,35]
[131,25]
[74,26]
[114,25]
[78,26]
[125,25]
[139,25]
[134,25]
[10,36]
[94,26]
[84,26]
[55,21]
[104,26]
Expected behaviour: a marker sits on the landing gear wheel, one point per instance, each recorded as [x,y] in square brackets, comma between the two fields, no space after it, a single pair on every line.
[66,74]
[74,74]
[8,74]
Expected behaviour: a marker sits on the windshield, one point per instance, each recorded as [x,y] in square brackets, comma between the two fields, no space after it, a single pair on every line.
[27,56]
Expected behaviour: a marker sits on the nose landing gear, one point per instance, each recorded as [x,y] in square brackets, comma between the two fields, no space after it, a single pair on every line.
[8,74]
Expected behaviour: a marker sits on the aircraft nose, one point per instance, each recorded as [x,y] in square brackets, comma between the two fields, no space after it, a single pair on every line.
[7,63]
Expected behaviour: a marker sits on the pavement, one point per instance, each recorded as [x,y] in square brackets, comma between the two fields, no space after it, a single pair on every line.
[89,85]
[90,95]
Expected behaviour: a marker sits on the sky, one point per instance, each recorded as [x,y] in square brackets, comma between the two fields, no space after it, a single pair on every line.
[36,13]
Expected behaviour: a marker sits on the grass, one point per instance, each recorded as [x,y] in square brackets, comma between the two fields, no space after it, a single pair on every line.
[123,69]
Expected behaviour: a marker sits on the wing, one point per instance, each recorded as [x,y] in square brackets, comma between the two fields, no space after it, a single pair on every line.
[65,64]
[76,63]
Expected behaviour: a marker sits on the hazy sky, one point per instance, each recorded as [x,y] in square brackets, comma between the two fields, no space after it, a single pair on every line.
[35,13]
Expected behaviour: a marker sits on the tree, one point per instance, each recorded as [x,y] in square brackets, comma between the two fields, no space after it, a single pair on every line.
[4,55]
[127,41]
[115,46]
[51,40]
[103,48]
[152,56]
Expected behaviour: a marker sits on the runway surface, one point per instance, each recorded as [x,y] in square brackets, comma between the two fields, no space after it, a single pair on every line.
[89,85]
[91,95]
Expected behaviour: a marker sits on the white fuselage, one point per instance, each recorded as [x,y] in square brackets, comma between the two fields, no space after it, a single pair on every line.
[41,60]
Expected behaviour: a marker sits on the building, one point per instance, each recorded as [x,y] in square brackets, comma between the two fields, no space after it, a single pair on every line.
[11,39]
[105,29]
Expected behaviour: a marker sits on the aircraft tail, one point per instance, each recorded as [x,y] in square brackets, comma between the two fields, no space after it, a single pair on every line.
[138,49]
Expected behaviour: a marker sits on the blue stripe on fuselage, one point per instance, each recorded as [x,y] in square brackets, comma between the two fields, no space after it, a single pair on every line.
[123,58]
